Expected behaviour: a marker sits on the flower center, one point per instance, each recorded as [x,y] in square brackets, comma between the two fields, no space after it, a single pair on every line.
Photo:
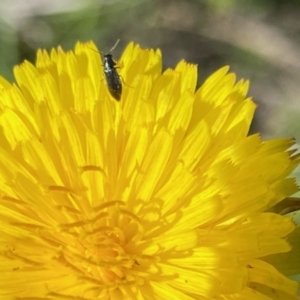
[98,248]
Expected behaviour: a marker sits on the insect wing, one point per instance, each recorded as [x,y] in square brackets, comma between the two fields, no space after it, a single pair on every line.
[114,84]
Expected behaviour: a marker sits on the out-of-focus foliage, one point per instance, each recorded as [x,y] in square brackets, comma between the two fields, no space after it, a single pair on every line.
[259,39]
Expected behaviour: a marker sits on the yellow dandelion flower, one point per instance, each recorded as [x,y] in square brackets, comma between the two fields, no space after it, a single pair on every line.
[161,195]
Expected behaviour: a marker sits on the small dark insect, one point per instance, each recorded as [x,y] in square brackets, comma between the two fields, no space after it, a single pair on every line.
[112,77]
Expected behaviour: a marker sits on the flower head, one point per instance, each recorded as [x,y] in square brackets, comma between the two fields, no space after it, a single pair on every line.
[161,195]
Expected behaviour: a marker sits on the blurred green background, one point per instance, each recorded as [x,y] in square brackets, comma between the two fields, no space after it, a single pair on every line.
[259,39]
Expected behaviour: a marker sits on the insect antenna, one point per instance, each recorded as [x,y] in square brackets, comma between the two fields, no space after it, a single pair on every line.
[114,46]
